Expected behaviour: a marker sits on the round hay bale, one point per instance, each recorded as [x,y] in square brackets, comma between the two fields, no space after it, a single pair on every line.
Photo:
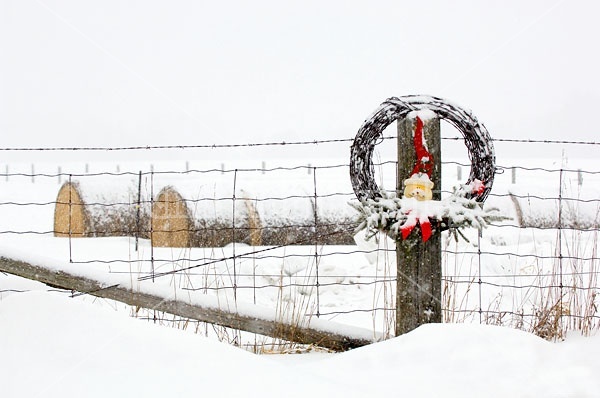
[254,224]
[70,214]
[265,209]
[101,206]
[171,220]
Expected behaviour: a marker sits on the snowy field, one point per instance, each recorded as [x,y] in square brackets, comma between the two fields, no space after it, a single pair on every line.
[54,345]
[246,87]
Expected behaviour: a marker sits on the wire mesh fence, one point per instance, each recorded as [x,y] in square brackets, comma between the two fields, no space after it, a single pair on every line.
[283,237]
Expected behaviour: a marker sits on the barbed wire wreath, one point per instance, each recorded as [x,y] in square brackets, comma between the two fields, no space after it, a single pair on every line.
[381,211]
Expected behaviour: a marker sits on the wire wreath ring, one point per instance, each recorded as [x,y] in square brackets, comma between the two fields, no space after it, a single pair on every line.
[476,137]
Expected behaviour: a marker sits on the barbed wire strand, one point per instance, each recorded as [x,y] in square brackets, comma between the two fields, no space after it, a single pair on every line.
[263,144]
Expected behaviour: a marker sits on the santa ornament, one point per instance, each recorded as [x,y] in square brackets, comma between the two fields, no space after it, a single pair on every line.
[419,185]
[380,211]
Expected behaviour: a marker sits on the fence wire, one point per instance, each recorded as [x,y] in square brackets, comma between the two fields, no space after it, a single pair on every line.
[285,237]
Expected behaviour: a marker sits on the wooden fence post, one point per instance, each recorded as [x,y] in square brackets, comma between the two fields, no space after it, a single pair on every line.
[419,271]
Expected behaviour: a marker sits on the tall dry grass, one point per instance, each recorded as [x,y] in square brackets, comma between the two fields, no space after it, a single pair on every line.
[557,295]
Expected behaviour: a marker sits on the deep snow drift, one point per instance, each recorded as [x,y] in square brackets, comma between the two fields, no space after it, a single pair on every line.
[54,346]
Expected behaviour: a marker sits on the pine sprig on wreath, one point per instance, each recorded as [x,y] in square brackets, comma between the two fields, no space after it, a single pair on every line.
[390,213]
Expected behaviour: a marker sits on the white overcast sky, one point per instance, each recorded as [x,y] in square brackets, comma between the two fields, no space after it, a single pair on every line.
[114,72]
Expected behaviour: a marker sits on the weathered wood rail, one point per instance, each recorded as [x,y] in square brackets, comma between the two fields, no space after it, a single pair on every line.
[290,332]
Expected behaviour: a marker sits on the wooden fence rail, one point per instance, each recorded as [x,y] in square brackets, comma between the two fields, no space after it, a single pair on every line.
[329,339]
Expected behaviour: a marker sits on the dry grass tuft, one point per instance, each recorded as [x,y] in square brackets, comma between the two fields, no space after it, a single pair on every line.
[548,322]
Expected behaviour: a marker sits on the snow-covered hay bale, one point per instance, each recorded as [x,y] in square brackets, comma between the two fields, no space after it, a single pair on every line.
[222,228]
[551,207]
[536,212]
[254,223]
[70,215]
[98,207]
[271,209]
[210,209]
[171,220]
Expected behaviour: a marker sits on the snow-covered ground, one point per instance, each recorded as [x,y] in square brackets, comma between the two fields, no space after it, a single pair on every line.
[54,345]
[118,74]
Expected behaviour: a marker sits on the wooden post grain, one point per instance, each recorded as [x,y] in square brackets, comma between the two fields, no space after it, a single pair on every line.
[418,294]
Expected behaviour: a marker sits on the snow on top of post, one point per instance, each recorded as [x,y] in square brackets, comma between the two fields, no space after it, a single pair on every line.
[424,114]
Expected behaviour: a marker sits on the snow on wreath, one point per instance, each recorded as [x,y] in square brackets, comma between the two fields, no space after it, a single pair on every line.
[397,217]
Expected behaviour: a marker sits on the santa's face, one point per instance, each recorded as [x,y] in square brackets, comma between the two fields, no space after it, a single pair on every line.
[418,191]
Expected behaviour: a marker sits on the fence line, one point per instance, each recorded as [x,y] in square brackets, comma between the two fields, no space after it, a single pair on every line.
[538,273]
[268,144]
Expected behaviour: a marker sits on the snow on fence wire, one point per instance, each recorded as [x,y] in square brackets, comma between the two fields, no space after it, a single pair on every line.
[283,237]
